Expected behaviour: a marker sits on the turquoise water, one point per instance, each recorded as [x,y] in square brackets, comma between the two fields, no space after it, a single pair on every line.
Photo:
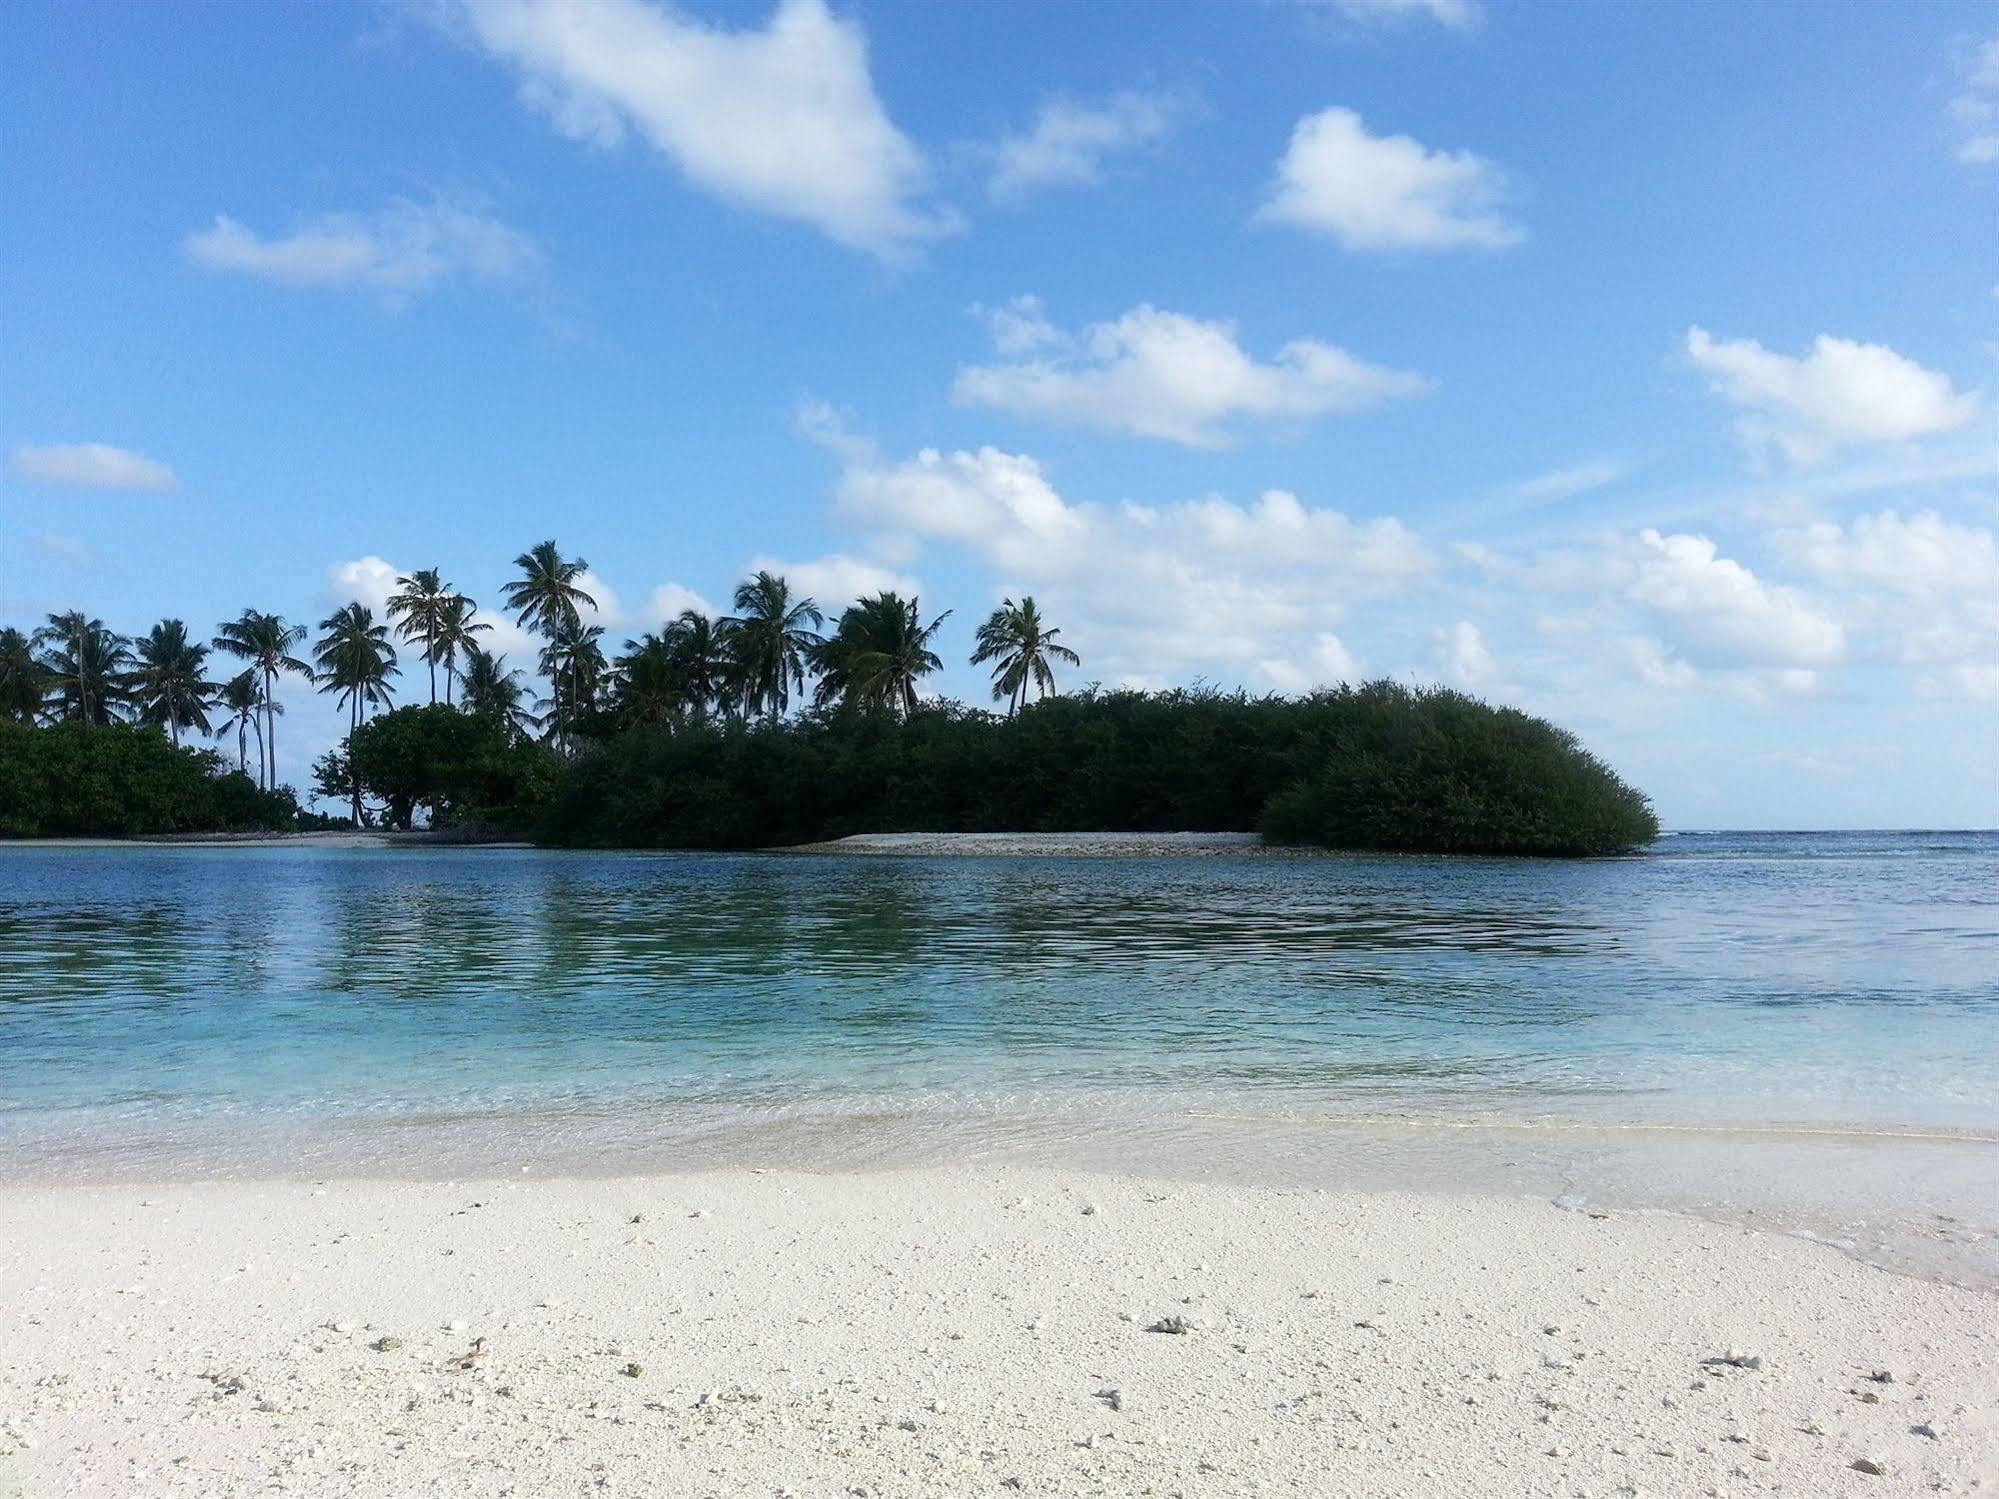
[178,1010]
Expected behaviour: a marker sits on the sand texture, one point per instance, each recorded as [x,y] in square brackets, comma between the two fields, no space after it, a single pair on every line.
[960,1331]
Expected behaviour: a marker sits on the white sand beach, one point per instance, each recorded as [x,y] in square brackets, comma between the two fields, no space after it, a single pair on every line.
[962,1330]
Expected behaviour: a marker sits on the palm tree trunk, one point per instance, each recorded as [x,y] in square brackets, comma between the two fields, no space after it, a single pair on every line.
[430,658]
[354,776]
[271,728]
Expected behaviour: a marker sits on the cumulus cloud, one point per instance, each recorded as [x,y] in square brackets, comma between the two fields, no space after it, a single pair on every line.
[1919,553]
[781,118]
[1386,192]
[397,253]
[89,465]
[1840,393]
[1153,373]
[1070,141]
[1201,585]
[1720,611]
[1463,656]
[836,580]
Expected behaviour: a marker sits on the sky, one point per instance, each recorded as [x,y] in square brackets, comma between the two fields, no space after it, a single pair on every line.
[1630,364]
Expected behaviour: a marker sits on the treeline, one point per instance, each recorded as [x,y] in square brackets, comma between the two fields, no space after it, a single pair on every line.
[122,780]
[1380,766]
[758,729]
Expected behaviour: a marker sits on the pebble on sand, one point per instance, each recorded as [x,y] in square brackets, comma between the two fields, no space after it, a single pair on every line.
[1869,1465]
[1173,1324]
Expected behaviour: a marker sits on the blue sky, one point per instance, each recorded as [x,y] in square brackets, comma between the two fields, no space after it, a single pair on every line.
[1633,364]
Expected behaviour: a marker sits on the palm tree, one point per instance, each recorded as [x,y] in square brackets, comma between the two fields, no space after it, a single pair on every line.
[240,696]
[423,605]
[1015,638]
[877,654]
[651,686]
[168,684]
[701,661]
[574,664]
[769,644]
[356,660]
[21,681]
[267,643]
[490,688]
[456,630]
[546,597]
[83,666]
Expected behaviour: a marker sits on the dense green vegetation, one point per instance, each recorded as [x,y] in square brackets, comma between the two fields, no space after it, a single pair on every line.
[124,780]
[1380,766]
[757,730]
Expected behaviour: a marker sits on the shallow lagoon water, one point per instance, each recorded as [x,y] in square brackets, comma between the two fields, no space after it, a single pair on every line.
[1796,1023]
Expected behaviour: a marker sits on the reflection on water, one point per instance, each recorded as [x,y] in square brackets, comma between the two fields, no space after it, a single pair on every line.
[189,1008]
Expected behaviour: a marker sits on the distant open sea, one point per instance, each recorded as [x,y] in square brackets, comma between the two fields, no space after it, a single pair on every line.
[1686,1026]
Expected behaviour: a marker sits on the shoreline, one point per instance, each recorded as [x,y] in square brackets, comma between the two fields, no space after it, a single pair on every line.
[956,1329]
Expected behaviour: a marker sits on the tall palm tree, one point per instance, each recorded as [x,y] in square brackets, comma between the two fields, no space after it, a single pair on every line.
[877,654]
[651,687]
[573,661]
[422,607]
[701,657]
[21,678]
[491,688]
[545,598]
[169,684]
[83,666]
[457,632]
[355,659]
[769,644]
[267,643]
[240,696]
[1021,645]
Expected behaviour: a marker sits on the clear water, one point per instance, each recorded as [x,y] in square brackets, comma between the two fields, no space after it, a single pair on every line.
[1675,1017]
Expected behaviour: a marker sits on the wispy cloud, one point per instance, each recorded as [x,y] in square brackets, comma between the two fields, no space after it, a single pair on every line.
[90,465]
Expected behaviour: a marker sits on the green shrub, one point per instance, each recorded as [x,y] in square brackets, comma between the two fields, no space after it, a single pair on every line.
[124,780]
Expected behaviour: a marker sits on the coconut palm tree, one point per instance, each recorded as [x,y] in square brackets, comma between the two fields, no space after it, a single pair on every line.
[422,607]
[545,598]
[573,661]
[546,593]
[650,686]
[877,654]
[701,658]
[491,688]
[769,644]
[21,680]
[1021,645]
[355,659]
[456,635]
[267,643]
[83,667]
[240,696]
[169,683]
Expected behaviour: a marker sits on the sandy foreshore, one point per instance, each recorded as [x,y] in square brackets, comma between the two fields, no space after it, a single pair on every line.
[960,1331]
[1027,845]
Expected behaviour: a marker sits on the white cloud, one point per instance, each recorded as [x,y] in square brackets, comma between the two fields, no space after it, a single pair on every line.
[1721,612]
[1195,586]
[1655,667]
[836,580]
[1325,663]
[366,580]
[782,118]
[1840,393]
[1919,553]
[1153,373]
[397,253]
[1386,192]
[90,465]
[669,601]
[1463,656]
[1070,141]
[1566,483]
[1460,15]
[1975,111]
